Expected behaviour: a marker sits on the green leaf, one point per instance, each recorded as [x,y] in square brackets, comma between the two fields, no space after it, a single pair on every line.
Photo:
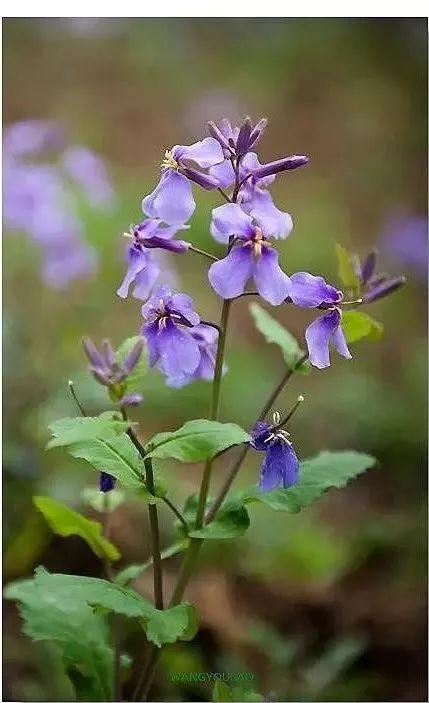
[133,571]
[275,333]
[66,522]
[81,634]
[346,270]
[356,325]
[196,440]
[161,626]
[103,502]
[317,475]
[221,692]
[133,381]
[70,430]
[231,521]
[116,455]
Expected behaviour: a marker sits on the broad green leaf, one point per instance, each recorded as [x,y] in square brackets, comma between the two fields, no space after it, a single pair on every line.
[221,692]
[196,440]
[133,381]
[346,270]
[356,324]
[66,522]
[133,571]
[70,430]
[115,455]
[161,626]
[275,333]
[317,475]
[231,521]
[103,502]
[81,634]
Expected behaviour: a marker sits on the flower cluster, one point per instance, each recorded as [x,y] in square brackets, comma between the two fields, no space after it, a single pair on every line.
[248,225]
[40,172]
[107,369]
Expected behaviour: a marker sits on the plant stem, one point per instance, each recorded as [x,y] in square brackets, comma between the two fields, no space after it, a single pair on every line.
[176,511]
[203,253]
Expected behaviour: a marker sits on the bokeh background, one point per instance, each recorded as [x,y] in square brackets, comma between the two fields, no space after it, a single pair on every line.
[325,605]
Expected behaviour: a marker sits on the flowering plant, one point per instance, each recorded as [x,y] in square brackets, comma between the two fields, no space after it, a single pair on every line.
[84,616]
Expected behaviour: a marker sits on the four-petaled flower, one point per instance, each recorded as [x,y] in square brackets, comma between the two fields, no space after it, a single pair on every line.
[143,270]
[251,255]
[169,318]
[280,467]
[172,200]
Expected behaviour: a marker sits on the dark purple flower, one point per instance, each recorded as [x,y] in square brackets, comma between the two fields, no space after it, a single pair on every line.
[106,369]
[251,256]
[143,270]
[280,467]
[172,200]
[206,338]
[321,333]
[89,171]
[169,318]
[308,291]
[289,163]
[107,482]
[373,285]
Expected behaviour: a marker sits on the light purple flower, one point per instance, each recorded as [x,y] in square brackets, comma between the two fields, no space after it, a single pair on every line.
[405,238]
[88,170]
[172,200]
[169,318]
[321,333]
[251,256]
[308,291]
[206,338]
[31,138]
[280,467]
[143,270]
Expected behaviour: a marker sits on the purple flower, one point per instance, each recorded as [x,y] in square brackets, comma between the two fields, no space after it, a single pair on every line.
[107,482]
[107,370]
[88,170]
[373,285]
[30,138]
[406,240]
[206,338]
[251,256]
[308,291]
[321,333]
[172,200]
[169,318]
[280,467]
[143,270]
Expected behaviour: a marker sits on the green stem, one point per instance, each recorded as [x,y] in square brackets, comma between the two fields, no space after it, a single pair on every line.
[201,252]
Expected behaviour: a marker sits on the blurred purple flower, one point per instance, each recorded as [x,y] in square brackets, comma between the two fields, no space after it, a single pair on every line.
[31,138]
[172,200]
[106,482]
[89,171]
[406,240]
[206,338]
[169,318]
[280,467]
[251,255]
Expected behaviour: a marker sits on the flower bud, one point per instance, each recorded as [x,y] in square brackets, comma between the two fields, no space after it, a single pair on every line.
[132,359]
[242,145]
[202,179]
[287,164]
[369,266]
[383,289]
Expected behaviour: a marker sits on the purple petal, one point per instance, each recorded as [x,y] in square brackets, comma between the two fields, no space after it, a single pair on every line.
[318,335]
[271,282]
[93,354]
[179,353]
[229,220]
[229,276]
[178,246]
[261,431]
[145,281]
[287,164]
[205,153]
[274,222]
[217,134]
[172,200]
[224,173]
[309,291]
[138,260]
[150,332]
[183,304]
[257,132]
[340,344]
[280,467]
[131,360]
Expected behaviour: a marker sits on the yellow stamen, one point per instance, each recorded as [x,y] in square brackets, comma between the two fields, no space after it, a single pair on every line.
[169,161]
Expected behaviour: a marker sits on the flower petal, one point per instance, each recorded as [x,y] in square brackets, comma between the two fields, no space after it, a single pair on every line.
[172,200]
[340,344]
[145,281]
[179,353]
[183,304]
[229,220]
[280,467]
[318,335]
[309,291]
[138,260]
[224,173]
[205,153]
[229,276]
[150,332]
[271,282]
[273,221]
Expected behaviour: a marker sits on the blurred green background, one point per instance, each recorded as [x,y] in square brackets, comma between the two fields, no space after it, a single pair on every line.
[325,605]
